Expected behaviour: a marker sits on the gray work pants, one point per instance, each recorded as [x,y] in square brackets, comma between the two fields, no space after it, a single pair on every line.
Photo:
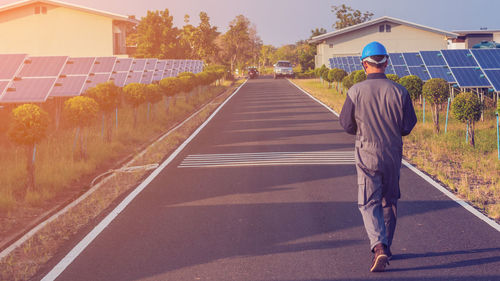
[378,191]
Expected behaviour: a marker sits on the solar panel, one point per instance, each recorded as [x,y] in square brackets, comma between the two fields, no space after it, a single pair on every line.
[3,85]
[147,77]
[350,60]
[119,78]
[76,66]
[68,86]
[10,65]
[397,59]
[133,77]
[151,64]
[470,77]
[28,90]
[487,58]
[103,65]
[50,66]
[419,71]
[494,76]
[93,80]
[442,72]
[123,65]
[459,58]
[413,59]
[389,70]
[344,61]
[432,58]
[138,65]
[401,70]
[160,65]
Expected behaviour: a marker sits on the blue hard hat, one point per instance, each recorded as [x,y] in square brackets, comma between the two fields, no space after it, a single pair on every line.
[373,49]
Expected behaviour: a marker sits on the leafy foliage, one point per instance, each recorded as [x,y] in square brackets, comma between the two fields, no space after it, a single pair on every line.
[413,85]
[348,81]
[29,124]
[135,94]
[153,93]
[170,86]
[466,107]
[157,37]
[347,16]
[338,74]
[436,90]
[359,76]
[393,77]
[106,95]
[320,71]
[80,111]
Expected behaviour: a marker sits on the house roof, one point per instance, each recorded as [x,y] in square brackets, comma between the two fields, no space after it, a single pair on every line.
[466,32]
[70,6]
[377,21]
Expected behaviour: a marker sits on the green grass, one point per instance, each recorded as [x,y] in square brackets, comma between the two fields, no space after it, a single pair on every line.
[57,170]
[472,172]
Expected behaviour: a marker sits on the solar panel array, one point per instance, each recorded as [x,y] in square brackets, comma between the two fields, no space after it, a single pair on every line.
[476,68]
[35,79]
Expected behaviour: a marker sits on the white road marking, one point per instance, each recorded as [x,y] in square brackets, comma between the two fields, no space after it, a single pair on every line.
[439,187]
[268,159]
[78,249]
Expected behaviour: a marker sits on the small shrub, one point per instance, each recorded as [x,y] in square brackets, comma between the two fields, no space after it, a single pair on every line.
[436,91]
[348,82]
[359,76]
[466,107]
[413,85]
[393,77]
[29,126]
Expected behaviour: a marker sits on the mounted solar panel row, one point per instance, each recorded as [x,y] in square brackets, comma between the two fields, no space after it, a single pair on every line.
[34,79]
[468,68]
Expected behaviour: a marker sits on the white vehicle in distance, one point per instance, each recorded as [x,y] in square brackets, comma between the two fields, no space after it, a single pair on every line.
[283,68]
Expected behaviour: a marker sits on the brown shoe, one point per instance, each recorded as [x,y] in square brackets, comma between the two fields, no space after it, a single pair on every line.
[380,259]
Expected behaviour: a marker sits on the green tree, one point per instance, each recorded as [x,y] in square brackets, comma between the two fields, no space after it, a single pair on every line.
[413,85]
[348,81]
[359,76]
[317,32]
[28,127]
[321,71]
[107,95]
[239,43]
[135,95]
[157,37]
[347,16]
[81,112]
[305,54]
[393,77]
[466,107]
[170,86]
[204,40]
[338,76]
[436,91]
[153,96]
[328,77]
[267,55]
[286,52]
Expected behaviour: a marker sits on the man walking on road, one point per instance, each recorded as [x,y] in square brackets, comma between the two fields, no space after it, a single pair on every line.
[379,112]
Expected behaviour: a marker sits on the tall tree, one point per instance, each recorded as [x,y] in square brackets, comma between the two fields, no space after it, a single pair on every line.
[239,42]
[204,43]
[347,16]
[157,37]
[267,55]
[317,32]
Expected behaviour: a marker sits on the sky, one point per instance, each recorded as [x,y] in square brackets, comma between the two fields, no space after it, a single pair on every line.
[281,22]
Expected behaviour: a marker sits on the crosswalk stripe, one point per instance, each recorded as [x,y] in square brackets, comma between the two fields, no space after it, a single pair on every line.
[268,159]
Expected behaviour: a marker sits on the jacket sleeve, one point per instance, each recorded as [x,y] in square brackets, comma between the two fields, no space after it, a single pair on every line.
[347,120]
[409,117]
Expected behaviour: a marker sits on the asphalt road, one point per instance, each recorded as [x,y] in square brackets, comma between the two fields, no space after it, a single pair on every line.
[267,191]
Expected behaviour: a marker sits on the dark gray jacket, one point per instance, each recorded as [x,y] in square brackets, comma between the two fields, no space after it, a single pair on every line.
[379,112]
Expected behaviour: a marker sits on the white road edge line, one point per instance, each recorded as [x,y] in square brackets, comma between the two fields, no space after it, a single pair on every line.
[73,254]
[439,187]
